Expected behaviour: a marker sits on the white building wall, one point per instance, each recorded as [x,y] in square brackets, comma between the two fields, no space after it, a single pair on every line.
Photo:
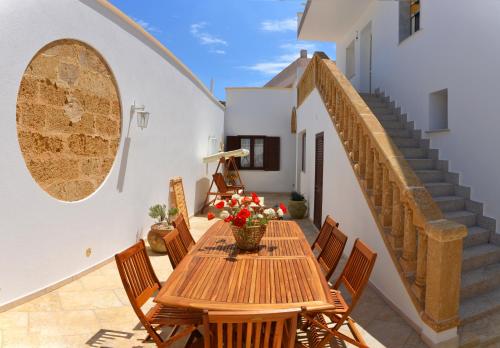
[43,240]
[344,200]
[264,111]
[457,48]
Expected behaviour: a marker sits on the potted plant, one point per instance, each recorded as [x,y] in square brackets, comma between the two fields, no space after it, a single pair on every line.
[297,207]
[162,226]
[248,219]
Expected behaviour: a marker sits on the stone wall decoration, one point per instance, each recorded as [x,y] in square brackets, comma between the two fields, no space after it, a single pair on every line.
[68,119]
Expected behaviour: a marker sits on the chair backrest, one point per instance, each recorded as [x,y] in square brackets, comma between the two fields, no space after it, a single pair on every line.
[220,182]
[357,271]
[186,237]
[332,252]
[137,274]
[175,248]
[324,233]
[254,329]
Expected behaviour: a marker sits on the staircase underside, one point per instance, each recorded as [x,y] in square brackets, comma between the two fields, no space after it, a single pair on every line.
[480,288]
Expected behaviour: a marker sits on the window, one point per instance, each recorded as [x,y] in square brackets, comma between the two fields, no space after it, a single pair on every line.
[264,151]
[438,110]
[350,65]
[304,152]
[409,18]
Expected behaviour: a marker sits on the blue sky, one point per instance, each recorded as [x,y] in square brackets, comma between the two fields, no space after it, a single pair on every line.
[236,42]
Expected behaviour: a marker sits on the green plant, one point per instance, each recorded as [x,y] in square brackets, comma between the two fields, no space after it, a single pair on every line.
[295,196]
[160,213]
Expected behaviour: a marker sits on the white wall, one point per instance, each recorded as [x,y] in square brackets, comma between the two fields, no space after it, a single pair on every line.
[264,111]
[457,48]
[345,202]
[43,240]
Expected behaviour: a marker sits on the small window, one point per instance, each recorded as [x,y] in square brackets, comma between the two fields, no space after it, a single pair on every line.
[304,152]
[409,18]
[264,152]
[438,110]
[350,67]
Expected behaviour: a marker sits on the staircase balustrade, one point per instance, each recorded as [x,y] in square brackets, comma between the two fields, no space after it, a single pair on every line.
[425,247]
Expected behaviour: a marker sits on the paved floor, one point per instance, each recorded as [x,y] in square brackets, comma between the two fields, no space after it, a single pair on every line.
[94,311]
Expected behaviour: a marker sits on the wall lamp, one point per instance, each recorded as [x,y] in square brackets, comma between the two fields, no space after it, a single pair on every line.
[142,115]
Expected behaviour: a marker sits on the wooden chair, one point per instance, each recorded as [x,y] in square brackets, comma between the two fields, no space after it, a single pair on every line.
[186,237]
[223,190]
[354,278]
[175,247]
[331,252]
[140,283]
[324,233]
[254,329]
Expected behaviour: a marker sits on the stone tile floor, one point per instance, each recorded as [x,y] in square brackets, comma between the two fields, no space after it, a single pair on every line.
[94,311]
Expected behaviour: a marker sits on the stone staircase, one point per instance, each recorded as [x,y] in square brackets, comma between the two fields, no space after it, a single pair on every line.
[480,288]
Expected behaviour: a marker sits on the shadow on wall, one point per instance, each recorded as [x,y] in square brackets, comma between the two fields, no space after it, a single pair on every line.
[124,157]
[201,189]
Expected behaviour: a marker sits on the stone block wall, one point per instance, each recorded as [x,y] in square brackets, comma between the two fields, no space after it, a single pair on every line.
[68,119]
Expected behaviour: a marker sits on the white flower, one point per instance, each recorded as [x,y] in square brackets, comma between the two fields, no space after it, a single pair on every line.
[260,216]
[236,196]
[279,212]
[224,214]
[240,192]
[270,212]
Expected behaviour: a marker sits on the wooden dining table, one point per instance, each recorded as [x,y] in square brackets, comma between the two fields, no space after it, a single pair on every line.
[215,275]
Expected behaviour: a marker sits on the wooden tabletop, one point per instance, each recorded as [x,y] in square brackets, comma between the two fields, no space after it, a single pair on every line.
[214,275]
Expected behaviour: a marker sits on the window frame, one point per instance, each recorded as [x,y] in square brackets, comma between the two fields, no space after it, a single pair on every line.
[303,164]
[252,150]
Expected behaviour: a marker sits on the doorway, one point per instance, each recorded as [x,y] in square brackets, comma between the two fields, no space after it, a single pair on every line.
[318,179]
[366,45]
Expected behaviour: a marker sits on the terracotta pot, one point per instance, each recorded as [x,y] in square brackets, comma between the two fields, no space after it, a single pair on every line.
[155,237]
[297,209]
[248,238]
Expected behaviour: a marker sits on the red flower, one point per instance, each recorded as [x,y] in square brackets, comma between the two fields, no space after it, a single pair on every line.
[255,198]
[283,207]
[244,213]
[210,216]
[239,221]
[220,205]
[229,218]
[246,199]
[234,201]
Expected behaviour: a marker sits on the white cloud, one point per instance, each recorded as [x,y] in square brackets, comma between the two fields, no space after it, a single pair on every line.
[146,25]
[289,24]
[219,51]
[291,51]
[205,38]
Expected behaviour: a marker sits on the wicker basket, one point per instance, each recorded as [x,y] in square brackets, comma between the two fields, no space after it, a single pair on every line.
[248,237]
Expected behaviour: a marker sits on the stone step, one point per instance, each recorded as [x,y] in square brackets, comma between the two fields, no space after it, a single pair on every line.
[375,103]
[463,217]
[402,142]
[450,203]
[382,110]
[413,152]
[388,117]
[440,188]
[421,163]
[401,133]
[480,306]
[430,175]
[392,124]
[476,235]
[480,256]
[480,281]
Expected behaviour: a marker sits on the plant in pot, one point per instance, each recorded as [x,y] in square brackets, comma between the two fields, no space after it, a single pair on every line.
[248,219]
[162,226]
[297,207]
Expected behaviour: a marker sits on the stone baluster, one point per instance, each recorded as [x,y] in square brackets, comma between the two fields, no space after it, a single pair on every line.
[409,259]
[418,286]
[362,154]
[369,165]
[377,180]
[396,236]
[387,195]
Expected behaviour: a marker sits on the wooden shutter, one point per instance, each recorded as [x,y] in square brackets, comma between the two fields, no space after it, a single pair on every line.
[272,153]
[233,143]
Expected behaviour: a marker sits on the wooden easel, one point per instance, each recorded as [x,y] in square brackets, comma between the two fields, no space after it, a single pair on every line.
[228,165]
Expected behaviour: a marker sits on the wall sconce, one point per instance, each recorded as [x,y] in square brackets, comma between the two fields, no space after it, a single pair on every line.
[142,116]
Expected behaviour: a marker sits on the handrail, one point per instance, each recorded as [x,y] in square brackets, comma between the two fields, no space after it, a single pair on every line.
[426,248]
